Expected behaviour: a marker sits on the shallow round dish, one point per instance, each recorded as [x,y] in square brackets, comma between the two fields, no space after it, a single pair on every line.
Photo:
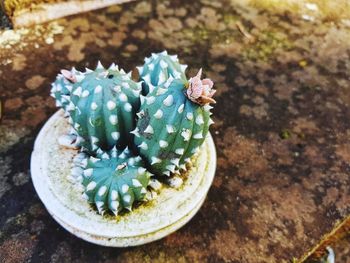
[168,211]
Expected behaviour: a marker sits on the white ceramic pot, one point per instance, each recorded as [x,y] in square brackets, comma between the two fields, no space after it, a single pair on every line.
[168,211]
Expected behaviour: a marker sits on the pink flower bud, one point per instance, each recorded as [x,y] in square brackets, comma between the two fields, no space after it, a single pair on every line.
[68,75]
[200,91]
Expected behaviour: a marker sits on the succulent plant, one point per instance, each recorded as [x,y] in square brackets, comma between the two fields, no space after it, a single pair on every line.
[107,113]
[172,124]
[102,105]
[158,69]
[112,180]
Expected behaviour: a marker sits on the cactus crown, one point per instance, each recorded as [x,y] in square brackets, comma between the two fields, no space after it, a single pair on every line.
[158,69]
[166,126]
[113,180]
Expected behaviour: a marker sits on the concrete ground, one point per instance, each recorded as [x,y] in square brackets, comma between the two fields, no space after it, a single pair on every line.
[281,129]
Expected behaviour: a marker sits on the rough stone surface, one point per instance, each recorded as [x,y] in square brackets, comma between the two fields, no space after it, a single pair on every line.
[282,126]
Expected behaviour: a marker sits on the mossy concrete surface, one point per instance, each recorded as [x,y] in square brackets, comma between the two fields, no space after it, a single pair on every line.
[10,6]
[27,12]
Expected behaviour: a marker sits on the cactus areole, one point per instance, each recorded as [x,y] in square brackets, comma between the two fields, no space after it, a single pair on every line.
[163,119]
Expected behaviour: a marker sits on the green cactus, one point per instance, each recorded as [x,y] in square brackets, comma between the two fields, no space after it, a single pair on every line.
[112,181]
[159,69]
[170,127]
[102,107]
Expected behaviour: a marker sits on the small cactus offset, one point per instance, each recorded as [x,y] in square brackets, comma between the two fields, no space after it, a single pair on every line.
[62,87]
[113,181]
[102,107]
[158,69]
[173,123]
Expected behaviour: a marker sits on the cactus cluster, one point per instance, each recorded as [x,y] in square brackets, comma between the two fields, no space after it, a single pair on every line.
[130,130]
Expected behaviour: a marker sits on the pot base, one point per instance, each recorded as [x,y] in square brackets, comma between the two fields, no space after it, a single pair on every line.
[150,221]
